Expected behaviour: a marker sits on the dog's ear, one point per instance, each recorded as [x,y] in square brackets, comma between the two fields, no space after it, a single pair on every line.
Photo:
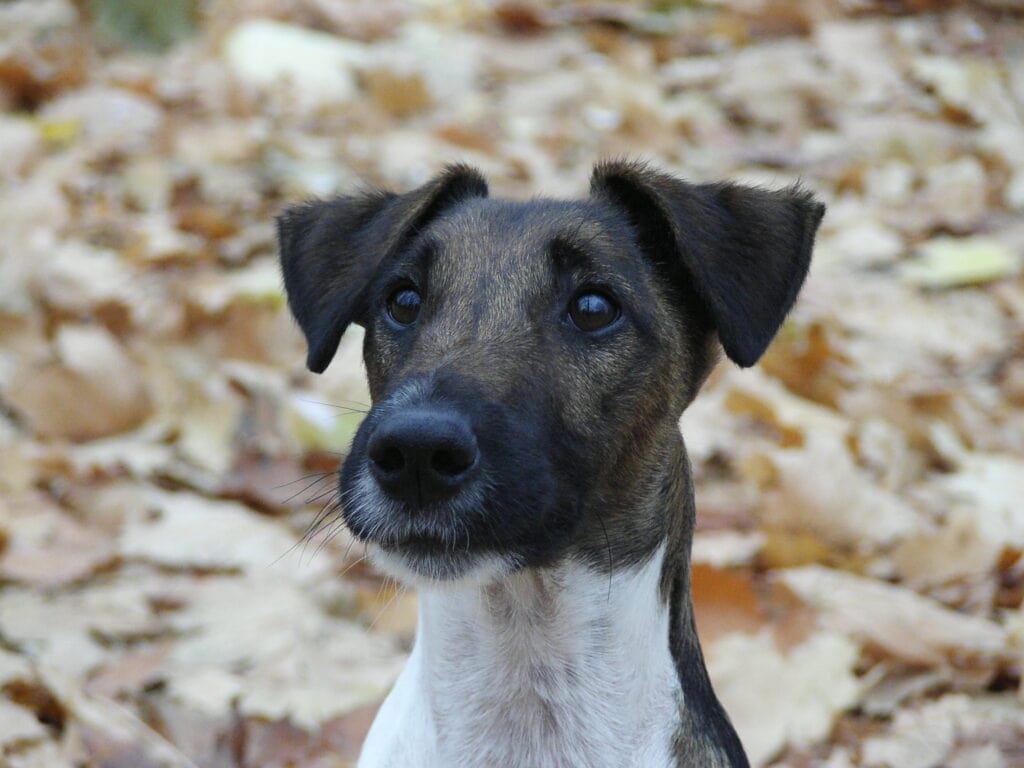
[330,251]
[744,251]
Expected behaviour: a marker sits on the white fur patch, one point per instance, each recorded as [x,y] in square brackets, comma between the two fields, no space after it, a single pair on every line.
[545,668]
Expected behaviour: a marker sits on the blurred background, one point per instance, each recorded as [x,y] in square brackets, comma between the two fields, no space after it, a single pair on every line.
[174,590]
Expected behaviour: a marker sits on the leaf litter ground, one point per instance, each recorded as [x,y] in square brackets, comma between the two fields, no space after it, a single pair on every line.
[175,589]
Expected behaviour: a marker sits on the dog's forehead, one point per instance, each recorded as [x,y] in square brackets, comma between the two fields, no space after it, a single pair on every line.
[497,236]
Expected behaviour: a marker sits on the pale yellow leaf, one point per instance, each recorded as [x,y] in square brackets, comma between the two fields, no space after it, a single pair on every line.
[947,262]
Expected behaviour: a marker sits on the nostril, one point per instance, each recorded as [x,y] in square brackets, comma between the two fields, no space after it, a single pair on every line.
[422,456]
[452,462]
[390,460]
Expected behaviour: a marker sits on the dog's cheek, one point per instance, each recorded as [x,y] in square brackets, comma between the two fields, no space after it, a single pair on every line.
[602,387]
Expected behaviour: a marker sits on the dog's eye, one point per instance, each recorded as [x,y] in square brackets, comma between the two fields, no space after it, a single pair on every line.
[404,306]
[592,311]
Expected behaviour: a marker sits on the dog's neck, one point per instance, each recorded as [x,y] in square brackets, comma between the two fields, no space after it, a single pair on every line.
[548,667]
[564,665]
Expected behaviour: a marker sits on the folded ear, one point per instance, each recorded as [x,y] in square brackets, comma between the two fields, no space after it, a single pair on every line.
[330,251]
[744,251]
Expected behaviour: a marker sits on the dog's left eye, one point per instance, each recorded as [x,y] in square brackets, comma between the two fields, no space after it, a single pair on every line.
[592,311]
[404,306]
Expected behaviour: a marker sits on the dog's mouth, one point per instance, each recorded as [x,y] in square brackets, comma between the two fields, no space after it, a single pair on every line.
[423,545]
[425,559]
[414,543]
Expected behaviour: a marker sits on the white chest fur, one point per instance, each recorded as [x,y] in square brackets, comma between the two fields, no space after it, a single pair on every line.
[544,669]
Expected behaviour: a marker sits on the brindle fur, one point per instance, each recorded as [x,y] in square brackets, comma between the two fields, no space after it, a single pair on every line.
[586,459]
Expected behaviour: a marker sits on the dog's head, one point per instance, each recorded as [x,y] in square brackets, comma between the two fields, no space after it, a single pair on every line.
[529,361]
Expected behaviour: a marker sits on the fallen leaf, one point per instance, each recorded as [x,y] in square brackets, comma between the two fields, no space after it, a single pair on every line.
[957,550]
[902,623]
[256,283]
[989,488]
[947,262]
[185,530]
[92,389]
[110,731]
[926,736]
[400,94]
[775,699]
[18,727]
[208,425]
[13,667]
[23,144]
[264,645]
[724,601]
[89,621]
[111,118]
[753,394]
[45,755]
[988,756]
[79,279]
[49,549]
[819,490]
[726,549]
[316,67]
[967,84]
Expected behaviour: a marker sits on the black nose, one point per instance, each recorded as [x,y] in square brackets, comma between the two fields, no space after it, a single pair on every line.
[422,456]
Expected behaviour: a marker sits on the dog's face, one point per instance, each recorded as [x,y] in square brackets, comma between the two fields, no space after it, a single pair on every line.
[526,360]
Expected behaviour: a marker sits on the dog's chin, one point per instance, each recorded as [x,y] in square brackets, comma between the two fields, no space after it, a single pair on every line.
[432,547]
[425,568]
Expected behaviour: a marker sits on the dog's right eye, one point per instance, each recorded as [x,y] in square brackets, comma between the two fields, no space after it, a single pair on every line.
[591,311]
[404,306]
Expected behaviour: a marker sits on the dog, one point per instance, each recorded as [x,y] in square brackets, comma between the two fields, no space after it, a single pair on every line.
[522,463]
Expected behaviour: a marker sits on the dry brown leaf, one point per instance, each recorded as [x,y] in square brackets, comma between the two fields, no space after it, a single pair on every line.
[48,549]
[925,737]
[752,393]
[22,142]
[18,727]
[725,601]
[726,549]
[157,239]
[111,731]
[80,279]
[299,664]
[208,425]
[140,454]
[400,94]
[819,490]
[109,118]
[968,84]
[45,755]
[989,488]
[185,530]
[92,389]
[776,699]
[13,667]
[900,622]
[957,550]
[90,623]
[892,686]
